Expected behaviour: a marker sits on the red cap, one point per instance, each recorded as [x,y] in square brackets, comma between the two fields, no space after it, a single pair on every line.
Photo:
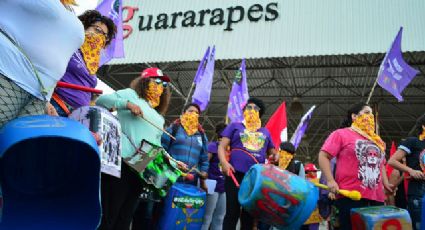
[310,167]
[154,73]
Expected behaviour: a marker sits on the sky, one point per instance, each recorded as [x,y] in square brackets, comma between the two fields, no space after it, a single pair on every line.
[84,5]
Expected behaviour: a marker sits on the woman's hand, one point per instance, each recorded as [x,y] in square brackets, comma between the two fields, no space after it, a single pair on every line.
[227,167]
[135,109]
[50,110]
[333,186]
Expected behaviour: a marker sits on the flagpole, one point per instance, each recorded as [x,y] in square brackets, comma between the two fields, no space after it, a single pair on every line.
[372,90]
[188,96]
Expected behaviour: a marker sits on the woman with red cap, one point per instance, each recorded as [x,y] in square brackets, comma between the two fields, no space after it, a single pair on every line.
[148,96]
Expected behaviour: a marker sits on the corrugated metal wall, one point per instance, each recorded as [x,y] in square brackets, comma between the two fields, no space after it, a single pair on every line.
[303,28]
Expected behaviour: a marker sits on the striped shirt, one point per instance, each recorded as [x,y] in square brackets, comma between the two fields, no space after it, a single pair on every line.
[191,150]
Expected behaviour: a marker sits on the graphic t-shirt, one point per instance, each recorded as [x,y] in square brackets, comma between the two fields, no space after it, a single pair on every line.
[243,142]
[214,172]
[415,150]
[359,163]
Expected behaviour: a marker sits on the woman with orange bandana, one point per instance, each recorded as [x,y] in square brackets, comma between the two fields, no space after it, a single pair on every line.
[249,144]
[82,68]
[360,160]
[148,96]
[413,148]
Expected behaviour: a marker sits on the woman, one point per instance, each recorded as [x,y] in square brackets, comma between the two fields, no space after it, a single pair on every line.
[148,96]
[189,148]
[37,38]
[216,202]
[413,148]
[360,158]
[249,144]
[82,68]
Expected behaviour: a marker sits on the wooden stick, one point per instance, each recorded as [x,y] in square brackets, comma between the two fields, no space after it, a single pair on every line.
[163,130]
[188,96]
[372,90]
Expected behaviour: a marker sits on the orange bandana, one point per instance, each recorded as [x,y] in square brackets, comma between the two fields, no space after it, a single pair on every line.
[190,122]
[91,48]
[422,136]
[252,120]
[365,126]
[284,159]
[153,93]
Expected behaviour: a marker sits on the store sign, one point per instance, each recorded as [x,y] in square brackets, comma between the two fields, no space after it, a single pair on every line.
[227,18]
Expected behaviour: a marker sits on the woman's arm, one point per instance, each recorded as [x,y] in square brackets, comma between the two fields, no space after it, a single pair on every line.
[325,166]
[226,166]
[395,162]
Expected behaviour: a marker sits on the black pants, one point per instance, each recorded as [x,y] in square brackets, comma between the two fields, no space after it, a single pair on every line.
[345,205]
[233,208]
[119,199]
[143,216]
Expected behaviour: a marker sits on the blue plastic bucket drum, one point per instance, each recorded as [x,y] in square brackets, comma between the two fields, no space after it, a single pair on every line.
[184,208]
[277,197]
[49,174]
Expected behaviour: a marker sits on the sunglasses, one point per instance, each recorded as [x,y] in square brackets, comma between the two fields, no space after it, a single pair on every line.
[159,82]
[253,107]
[99,30]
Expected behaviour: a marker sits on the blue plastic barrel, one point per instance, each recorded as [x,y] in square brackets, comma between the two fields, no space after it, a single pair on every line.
[184,208]
[49,174]
[277,197]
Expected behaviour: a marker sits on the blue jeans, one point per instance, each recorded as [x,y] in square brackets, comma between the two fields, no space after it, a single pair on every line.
[414,206]
[215,211]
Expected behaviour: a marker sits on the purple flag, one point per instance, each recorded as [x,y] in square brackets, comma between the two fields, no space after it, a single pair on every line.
[113,10]
[302,127]
[201,68]
[394,73]
[202,93]
[238,96]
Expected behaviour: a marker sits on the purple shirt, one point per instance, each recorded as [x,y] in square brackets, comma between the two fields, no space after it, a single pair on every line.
[77,73]
[214,172]
[242,141]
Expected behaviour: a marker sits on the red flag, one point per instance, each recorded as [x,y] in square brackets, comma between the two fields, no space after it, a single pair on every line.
[392,151]
[277,126]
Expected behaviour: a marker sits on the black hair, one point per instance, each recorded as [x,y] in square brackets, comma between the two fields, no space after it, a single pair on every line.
[90,17]
[258,102]
[288,147]
[355,109]
[194,105]
[419,123]
[219,128]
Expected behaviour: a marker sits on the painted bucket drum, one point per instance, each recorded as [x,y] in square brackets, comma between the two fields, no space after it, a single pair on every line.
[49,174]
[277,197]
[184,208]
[380,217]
[100,121]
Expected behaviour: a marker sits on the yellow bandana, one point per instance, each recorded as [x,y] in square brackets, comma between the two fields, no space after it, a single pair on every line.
[91,48]
[190,122]
[422,136]
[284,159]
[365,126]
[252,120]
[153,93]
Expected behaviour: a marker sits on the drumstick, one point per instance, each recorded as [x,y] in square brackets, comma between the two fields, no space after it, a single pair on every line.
[354,195]
[62,84]
[234,178]
[163,130]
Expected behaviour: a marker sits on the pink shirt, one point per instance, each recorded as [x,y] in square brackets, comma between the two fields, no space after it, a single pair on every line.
[358,163]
